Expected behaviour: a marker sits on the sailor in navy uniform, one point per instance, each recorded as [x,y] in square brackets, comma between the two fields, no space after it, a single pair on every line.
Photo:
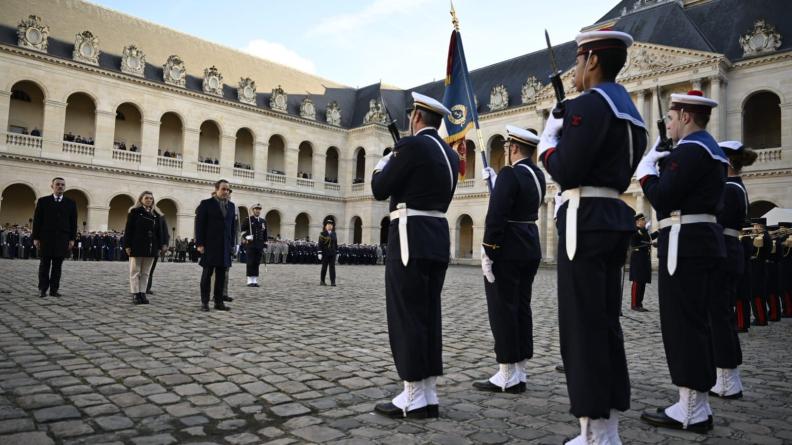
[591,152]
[785,268]
[328,247]
[510,256]
[419,176]
[640,262]
[254,237]
[687,194]
[727,353]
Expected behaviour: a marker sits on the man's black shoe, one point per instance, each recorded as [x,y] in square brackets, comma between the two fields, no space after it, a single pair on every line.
[332,284]
[143,299]
[251,285]
[729,397]
[221,307]
[486,385]
[388,409]
[55,294]
[42,293]
[205,307]
[322,283]
[255,285]
[149,292]
[136,299]
[227,298]
[661,419]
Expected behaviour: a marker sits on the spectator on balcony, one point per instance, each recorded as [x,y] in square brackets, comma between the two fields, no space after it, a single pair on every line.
[167,154]
[133,148]
[35,132]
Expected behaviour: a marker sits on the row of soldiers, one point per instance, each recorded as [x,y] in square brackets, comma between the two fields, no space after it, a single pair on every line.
[15,242]
[307,252]
[766,286]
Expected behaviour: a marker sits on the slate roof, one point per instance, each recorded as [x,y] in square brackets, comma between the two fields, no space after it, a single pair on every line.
[714,26]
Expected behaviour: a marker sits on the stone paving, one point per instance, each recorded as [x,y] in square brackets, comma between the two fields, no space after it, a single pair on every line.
[294,362]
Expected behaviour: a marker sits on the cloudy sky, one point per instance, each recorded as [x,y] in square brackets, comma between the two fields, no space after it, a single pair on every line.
[360,42]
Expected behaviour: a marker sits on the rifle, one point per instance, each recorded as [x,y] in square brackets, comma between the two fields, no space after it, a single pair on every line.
[555,79]
[665,144]
[392,128]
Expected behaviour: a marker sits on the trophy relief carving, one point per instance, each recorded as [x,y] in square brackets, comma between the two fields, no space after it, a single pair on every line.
[307,109]
[499,98]
[530,89]
[246,91]
[762,40]
[213,81]
[33,34]
[375,114]
[133,61]
[333,114]
[279,100]
[174,72]
[86,48]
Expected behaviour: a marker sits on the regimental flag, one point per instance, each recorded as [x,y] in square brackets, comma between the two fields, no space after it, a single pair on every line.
[458,98]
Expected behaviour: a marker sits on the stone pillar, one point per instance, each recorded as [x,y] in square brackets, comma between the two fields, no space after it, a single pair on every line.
[54,124]
[696,83]
[5,109]
[314,230]
[718,113]
[185,225]
[453,234]
[292,155]
[260,160]
[786,125]
[641,102]
[653,117]
[287,228]
[149,144]
[318,169]
[98,217]
[478,238]
[105,132]
[551,231]
[227,156]
[190,151]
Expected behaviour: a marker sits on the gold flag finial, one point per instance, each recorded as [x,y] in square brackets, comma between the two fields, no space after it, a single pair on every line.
[454,18]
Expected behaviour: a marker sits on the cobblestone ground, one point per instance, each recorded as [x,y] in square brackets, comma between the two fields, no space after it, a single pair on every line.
[294,362]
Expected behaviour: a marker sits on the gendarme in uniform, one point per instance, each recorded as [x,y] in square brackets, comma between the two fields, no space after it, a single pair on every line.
[419,177]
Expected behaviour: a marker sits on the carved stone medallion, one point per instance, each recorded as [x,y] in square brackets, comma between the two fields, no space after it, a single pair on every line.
[499,98]
[333,114]
[86,48]
[213,81]
[762,40]
[307,109]
[375,114]
[246,91]
[32,34]
[174,72]
[133,61]
[279,100]
[530,89]
[644,61]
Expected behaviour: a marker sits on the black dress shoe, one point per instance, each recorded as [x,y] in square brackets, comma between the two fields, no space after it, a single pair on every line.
[42,294]
[251,285]
[55,294]
[322,283]
[642,309]
[560,368]
[255,285]
[221,307]
[136,299]
[332,284]
[660,419]
[388,409]
[205,308]
[729,397]
[486,385]
[149,292]
[143,299]
[227,298]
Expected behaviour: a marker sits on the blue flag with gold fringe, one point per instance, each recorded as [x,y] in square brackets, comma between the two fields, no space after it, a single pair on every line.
[458,97]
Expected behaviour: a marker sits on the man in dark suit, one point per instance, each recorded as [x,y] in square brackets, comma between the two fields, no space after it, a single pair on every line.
[214,238]
[54,233]
[328,245]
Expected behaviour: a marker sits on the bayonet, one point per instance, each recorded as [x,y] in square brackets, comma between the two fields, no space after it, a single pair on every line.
[555,79]
[392,128]
[665,144]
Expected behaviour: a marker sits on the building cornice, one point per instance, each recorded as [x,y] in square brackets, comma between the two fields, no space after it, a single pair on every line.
[765,60]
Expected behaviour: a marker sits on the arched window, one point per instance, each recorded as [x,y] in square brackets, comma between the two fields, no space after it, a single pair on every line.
[127,134]
[465,237]
[169,210]
[273,218]
[171,135]
[302,226]
[26,112]
[305,161]
[470,159]
[331,165]
[243,149]
[357,230]
[80,119]
[360,166]
[19,202]
[276,155]
[209,143]
[81,200]
[762,121]
[119,209]
[496,158]
[384,226]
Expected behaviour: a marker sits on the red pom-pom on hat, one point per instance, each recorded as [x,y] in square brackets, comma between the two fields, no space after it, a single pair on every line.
[695,93]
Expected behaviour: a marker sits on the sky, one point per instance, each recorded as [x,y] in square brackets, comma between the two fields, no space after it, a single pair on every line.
[360,42]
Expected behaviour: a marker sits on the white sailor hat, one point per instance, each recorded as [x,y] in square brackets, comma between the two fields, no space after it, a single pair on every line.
[256,206]
[602,39]
[523,136]
[694,101]
[429,104]
[731,146]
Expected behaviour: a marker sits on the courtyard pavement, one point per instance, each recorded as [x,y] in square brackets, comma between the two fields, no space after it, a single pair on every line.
[294,362]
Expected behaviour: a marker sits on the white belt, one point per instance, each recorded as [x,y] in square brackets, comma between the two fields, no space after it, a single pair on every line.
[402,213]
[573,196]
[675,221]
[511,221]
[731,232]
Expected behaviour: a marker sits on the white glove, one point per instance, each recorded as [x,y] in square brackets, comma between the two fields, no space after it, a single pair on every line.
[648,165]
[249,237]
[551,134]
[320,257]
[559,201]
[486,266]
[488,174]
[383,162]
[649,226]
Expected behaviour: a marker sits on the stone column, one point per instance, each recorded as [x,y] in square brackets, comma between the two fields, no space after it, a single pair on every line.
[227,156]
[696,83]
[653,117]
[292,155]
[54,124]
[550,232]
[314,230]
[5,109]
[105,132]
[718,113]
[453,234]
[98,217]
[786,125]
[185,225]
[260,160]
[478,238]
[149,144]
[287,229]
[318,169]
[641,103]
[190,152]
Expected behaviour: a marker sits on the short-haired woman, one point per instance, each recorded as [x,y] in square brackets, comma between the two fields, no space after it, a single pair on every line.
[143,241]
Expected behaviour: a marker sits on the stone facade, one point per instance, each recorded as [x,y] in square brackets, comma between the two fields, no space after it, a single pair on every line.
[259,147]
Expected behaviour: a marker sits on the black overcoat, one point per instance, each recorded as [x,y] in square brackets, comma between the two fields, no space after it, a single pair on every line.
[54,225]
[144,233]
[215,232]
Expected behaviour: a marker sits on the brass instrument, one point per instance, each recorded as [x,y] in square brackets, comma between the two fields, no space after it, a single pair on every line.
[780,233]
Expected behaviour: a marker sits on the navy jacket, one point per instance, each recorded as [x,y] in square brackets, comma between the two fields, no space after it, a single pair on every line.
[422,173]
[328,243]
[516,197]
[145,233]
[215,232]
[732,216]
[256,227]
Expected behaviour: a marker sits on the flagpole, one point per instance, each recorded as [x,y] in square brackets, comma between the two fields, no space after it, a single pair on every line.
[471,98]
